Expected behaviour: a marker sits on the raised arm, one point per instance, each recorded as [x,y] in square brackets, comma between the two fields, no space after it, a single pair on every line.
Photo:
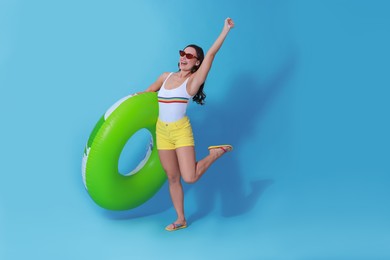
[200,75]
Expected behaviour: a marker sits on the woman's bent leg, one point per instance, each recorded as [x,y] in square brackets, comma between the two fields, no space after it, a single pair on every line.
[191,170]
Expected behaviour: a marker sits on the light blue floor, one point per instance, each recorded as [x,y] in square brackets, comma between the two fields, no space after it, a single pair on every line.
[300,88]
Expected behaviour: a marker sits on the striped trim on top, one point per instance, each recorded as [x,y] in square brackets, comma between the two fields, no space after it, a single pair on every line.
[172,100]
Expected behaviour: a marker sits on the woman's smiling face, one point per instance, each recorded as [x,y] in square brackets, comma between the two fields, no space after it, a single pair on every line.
[188,59]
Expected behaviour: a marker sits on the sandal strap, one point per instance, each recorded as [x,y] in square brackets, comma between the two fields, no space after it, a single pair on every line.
[175,226]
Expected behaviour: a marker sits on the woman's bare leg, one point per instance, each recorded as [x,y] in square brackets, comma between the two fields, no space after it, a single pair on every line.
[170,164]
[191,170]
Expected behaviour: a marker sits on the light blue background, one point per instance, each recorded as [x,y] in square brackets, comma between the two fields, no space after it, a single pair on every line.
[300,88]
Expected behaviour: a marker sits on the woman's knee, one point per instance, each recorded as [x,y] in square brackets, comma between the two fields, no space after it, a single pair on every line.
[189,179]
[173,178]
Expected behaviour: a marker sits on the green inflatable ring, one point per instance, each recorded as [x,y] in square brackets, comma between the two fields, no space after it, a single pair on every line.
[106,186]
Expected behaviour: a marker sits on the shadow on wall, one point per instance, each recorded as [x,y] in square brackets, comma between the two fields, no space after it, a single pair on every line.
[247,102]
[224,179]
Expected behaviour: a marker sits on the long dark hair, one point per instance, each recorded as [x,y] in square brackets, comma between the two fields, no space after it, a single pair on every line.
[200,96]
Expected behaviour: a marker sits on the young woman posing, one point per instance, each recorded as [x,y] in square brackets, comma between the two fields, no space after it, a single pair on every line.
[175,142]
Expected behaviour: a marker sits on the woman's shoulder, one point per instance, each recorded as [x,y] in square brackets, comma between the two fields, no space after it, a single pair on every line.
[165,75]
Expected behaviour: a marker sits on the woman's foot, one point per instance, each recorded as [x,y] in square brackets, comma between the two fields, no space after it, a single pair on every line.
[176,225]
[219,150]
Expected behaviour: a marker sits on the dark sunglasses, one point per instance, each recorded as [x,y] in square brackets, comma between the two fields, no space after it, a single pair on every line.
[188,55]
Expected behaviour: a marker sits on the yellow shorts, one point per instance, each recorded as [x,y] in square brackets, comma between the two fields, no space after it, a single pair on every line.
[173,135]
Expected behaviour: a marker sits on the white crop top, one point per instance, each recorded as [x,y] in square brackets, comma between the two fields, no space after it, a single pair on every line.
[173,103]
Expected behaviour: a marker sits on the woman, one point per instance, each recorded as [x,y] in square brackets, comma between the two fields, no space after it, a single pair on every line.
[175,142]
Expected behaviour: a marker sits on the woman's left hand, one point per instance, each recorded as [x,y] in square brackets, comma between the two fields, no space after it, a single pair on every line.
[229,24]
